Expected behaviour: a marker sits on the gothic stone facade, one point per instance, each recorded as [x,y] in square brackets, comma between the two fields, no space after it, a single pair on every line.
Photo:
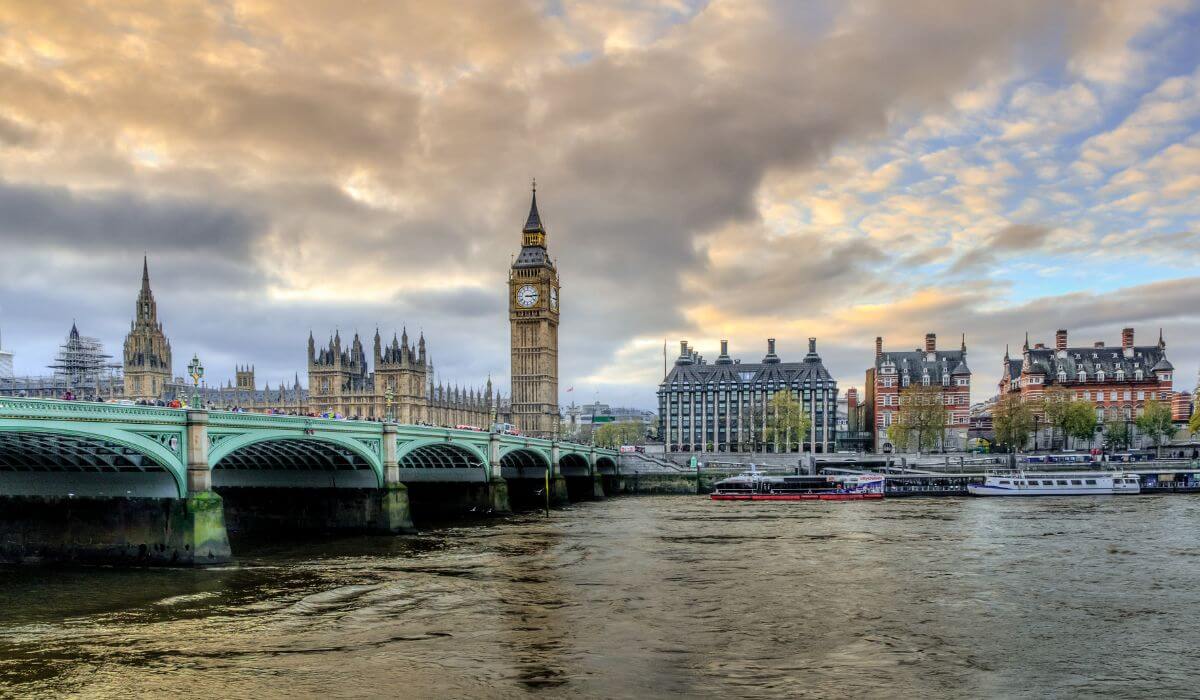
[533,310]
[723,407]
[894,371]
[400,387]
[1116,380]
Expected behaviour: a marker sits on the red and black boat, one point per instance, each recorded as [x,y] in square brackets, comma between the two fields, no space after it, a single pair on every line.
[752,486]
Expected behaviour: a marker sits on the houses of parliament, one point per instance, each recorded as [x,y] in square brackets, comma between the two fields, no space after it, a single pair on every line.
[396,381]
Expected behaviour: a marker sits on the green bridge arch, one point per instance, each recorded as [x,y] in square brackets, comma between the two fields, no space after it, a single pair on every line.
[408,449]
[150,446]
[232,444]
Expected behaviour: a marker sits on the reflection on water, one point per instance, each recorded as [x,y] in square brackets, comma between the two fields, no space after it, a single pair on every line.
[647,596]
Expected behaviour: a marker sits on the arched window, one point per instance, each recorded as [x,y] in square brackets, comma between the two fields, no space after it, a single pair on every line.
[1099,375]
[1062,376]
[1082,375]
[1120,374]
[945,380]
[1138,374]
[925,379]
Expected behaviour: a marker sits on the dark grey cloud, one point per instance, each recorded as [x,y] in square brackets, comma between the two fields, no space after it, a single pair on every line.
[121,220]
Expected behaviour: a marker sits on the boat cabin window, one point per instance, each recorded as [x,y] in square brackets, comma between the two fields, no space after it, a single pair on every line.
[1089,481]
[1062,482]
[1076,482]
[1004,481]
[1047,482]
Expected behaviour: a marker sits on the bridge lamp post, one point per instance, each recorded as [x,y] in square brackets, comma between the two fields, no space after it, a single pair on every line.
[196,372]
[389,398]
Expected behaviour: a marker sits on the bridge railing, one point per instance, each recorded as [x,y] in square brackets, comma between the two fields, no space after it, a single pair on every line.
[55,408]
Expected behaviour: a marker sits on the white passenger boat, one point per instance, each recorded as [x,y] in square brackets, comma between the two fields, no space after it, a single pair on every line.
[1023,483]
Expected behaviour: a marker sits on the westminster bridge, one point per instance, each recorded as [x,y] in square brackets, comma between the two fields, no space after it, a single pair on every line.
[107,482]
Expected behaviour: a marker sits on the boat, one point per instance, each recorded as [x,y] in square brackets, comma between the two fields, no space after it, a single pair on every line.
[1026,483]
[752,486]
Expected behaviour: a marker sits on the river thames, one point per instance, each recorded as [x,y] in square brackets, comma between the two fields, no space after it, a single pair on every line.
[645,596]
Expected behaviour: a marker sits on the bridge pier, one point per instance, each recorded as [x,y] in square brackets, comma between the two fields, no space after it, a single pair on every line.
[139,531]
[497,487]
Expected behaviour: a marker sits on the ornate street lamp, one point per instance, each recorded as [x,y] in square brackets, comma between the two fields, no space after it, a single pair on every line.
[389,398]
[196,372]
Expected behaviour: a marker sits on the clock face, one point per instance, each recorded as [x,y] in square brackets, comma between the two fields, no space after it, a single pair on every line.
[527,296]
[553,298]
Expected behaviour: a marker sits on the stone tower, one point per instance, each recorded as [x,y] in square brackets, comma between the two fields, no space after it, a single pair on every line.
[244,378]
[401,371]
[335,374]
[147,351]
[533,309]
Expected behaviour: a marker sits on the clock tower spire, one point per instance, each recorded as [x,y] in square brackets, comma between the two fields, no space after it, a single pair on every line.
[533,322]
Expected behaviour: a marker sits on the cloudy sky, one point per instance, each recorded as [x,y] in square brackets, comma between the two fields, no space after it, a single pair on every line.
[706,170]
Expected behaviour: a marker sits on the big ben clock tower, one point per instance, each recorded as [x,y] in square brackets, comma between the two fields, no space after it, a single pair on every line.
[533,320]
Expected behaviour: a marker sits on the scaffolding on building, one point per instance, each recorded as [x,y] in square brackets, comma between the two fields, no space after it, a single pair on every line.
[83,363]
[82,369]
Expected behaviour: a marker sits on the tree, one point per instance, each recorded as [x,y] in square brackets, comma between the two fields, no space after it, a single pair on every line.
[613,435]
[1056,407]
[1155,421]
[786,421]
[1194,423]
[921,421]
[1116,434]
[1013,421]
[1080,420]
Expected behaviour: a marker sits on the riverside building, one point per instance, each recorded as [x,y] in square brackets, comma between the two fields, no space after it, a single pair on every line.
[1116,380]
[894,371]
[724,406]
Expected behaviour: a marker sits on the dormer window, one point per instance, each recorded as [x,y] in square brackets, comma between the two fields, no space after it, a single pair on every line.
[1138,374]
[925,379]
[945,380]
[1120,374]
[904,380]
[1100,375]
[1082,375]
[1062,376]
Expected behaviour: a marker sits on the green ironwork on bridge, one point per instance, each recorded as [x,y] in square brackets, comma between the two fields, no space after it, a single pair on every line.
[50,447]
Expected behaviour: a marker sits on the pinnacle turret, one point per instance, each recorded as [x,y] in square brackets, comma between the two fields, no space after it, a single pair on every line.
[533,224]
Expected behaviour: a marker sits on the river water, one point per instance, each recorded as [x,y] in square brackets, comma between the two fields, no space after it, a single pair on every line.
[647,596]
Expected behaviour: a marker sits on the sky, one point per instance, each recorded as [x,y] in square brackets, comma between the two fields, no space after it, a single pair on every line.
[705,170]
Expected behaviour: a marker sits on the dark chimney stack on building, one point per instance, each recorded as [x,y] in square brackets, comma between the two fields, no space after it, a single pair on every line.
[878,347]
[1127,338]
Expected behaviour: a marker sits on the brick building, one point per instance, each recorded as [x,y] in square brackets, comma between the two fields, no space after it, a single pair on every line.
[895,370]
[1116,380]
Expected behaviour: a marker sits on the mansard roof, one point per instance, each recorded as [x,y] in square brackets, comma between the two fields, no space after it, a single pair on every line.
[691,369]
[1090,360]
[920,362]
